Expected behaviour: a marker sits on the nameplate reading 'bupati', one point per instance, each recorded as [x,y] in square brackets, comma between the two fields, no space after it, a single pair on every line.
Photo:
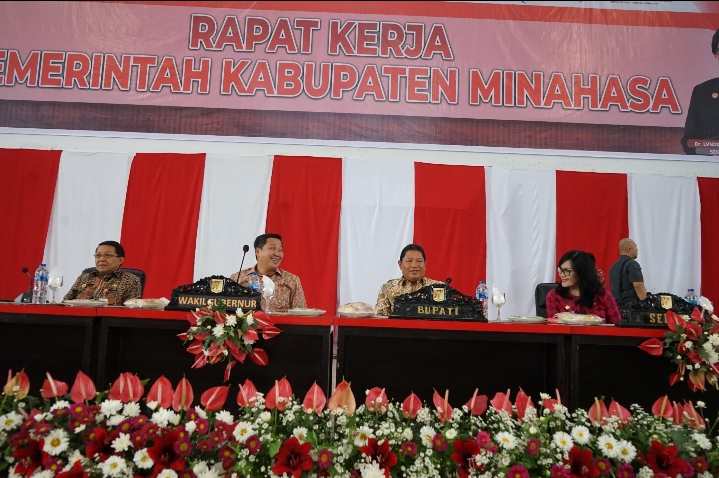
[214,290]
[437,302]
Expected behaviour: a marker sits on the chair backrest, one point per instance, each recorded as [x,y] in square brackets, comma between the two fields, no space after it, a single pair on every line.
[540,297]
[138,272]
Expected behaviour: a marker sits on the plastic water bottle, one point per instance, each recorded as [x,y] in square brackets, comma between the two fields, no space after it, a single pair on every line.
[255,284]
[691,297]
[39,285]
[482,295]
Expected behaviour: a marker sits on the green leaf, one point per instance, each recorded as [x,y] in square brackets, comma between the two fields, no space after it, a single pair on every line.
[274,447]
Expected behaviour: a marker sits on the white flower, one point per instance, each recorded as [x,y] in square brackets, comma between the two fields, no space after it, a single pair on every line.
[209,474]
[115,420]
[645,472]
[626,452]
[200,468]
[608,445]
[190,427]
[131,409]
[242,432]
[701,404]
[161,417]
[174,418]
[121,443]
[265,416]
[200,412]
[506,440]
[300,433]
[230,320]
[372,470]
[113,466]
[44,474]
[426,434]
[79,429]
[563,441]
[142,459]
[362,435]
[10,421]
[451,434]
[167,473]
[74,456]
[218,330]
[705,304]
[56,442]
[689,344]
[110,407]
[581,435]
[702,441]
[225,417]
[152,405]
[407,433]
[59,405]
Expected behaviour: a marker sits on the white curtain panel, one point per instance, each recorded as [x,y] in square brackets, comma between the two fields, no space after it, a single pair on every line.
[664,220]
[521,235]
[87,209]
[376,222]
[233,212]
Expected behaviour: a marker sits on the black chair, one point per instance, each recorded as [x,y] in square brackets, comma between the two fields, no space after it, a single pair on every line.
[138,272]
[540,297]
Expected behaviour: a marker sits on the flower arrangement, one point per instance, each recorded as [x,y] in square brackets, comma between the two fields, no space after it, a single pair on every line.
[77,432]
[215,336]
[692,344]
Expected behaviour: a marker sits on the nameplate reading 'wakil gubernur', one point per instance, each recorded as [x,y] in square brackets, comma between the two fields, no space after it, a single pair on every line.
[651,313]
[214,290]
[437,302]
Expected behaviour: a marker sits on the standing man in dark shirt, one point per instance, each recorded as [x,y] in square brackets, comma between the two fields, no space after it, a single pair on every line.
[626,275]
[703,115]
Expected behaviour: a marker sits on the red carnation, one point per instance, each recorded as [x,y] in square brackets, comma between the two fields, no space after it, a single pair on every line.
[666,460]
[463,455]
[381,453]
[293,458]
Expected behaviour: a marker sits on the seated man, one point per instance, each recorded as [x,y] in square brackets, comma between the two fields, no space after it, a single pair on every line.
[288,288]
[413,266]
[626,275]
[106,281]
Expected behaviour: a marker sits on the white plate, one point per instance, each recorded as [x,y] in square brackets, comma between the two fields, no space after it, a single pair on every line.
[568,318]
[356,314]
[85,303]
[302,312]
[526,319]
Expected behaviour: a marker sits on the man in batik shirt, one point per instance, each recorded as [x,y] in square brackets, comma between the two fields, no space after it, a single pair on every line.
[412,263]
[106,280]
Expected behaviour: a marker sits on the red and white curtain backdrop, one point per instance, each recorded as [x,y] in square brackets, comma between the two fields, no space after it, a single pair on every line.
[186,216]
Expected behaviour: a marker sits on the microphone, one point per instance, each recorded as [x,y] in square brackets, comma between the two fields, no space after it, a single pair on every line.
[245,248]
[448,280]
[26,297]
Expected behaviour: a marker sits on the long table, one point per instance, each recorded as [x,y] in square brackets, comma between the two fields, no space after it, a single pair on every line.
[581,362]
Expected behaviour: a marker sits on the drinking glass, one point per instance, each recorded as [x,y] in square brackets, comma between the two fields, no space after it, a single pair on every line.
[54,282]
[499,299]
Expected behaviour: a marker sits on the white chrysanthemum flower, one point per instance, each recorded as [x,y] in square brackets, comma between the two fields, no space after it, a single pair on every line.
[114,466]
[43,474]
[10,421]
[714,339]
[56,442]
[152,405]
[110,407]
[702,441]
[161,417]
[143,460]
[209,474]
[426,434]
[59,405]
[200,412]
[626,452]
[74,456]
[242,432]
[645,472]
[250,320]
[167,473]
[200,467]
[300,433]
[563,441]
[230,320]
[115,420]
[608,445]
[225,417]
[581,435]
[174,418]
[407,433]
[371,470]
[79,429]
[121,443]
[506,440]
[218,330]
[362,435]
[131,409]
[190,427]
[265,416]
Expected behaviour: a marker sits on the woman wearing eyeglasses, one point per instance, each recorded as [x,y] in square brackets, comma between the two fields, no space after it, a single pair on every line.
[580,289]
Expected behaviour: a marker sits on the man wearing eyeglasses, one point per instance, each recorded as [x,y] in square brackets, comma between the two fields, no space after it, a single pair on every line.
[106,280]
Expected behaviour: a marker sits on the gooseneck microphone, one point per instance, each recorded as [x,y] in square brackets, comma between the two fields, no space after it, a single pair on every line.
[245,248]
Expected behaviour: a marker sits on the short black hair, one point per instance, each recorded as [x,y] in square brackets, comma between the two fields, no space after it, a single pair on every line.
[119,250]
[715,42]
[261,240]
[412,247]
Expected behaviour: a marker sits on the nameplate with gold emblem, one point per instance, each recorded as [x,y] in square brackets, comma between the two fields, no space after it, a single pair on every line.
[651,313]
[437,302]
[213,291]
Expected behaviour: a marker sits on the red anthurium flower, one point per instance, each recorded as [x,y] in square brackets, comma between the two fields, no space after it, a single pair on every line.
[315,399]
[293,458]
[196,347]
[52,388]
[598,412]
[83,388]
[262,320]
[269,332]
[279,395]
[522,403]
[161,392]
[259,356]
[247,395]
[501,401]
[376,400]
[477,405]
[183,396]
[617,410]
[697,315]
[381,453]
[666,460]
[236,351]
[692,417]
[218,317]
[693,330]
[697,380]
[250,336]
[228,370]
[463,456]
[127,388]
[662,407]
[581,463]
[17,385]
[411,406]
[653,347]
[674,321]
[214,398]
[677,413]
[444,409]
[343,398]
